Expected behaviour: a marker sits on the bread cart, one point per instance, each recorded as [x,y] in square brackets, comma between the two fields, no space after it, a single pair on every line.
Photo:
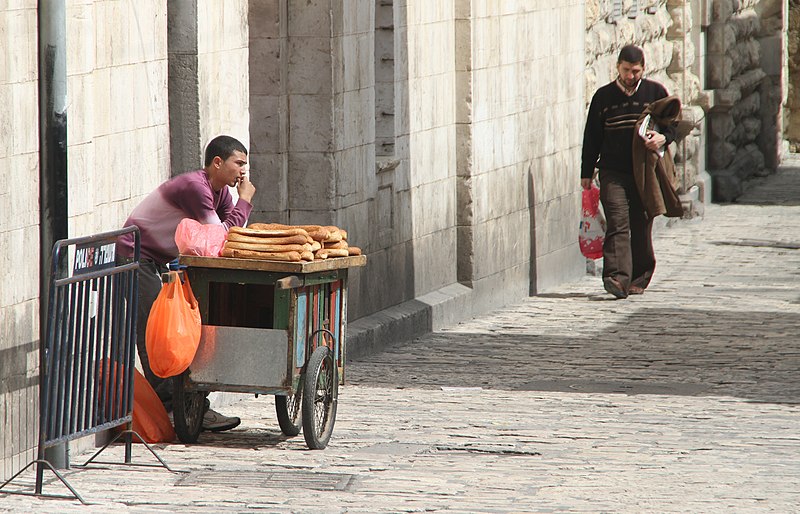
[269,327]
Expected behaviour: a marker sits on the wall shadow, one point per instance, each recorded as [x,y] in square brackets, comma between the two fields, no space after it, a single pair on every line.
[780,188]
[751,355]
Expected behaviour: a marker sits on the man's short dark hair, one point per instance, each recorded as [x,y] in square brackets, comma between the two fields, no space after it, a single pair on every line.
[632,54]
[223,147]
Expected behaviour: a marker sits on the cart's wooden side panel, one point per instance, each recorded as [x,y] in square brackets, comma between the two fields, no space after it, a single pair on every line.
[301,327]
[335,315]
[318,308]
[343,324]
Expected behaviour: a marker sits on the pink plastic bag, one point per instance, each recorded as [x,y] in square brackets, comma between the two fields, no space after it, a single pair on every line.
[593,224]
[194,238]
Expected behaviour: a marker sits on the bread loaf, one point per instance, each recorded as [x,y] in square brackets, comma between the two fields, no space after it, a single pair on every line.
[320,235]
[270,256]
[340,245]
[316,232]
[333,237]
[333,252]
[289,240]
[268,233]
[353,250]
[236,245]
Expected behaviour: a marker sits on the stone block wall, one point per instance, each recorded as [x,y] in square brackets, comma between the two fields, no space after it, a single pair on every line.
[395,190]
[208,77]
[745,72]
[118,129]
[686,80]
[223,80]
[792,126]
[424,183]
[381,185]
[519,135]
[269,107]
[19,237]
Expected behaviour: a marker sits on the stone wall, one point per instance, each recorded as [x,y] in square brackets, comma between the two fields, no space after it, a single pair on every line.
[269,107]
[685,70]
[745,49]
[208,77]
[792,127]
[19,237]
[222,71]
[664,29]
[118,134]
[518,199]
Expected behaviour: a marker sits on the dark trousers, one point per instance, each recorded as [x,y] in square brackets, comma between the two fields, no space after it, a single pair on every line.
[628,247]
[149,287]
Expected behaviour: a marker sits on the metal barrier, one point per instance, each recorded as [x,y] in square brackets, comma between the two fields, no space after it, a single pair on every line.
[86,362]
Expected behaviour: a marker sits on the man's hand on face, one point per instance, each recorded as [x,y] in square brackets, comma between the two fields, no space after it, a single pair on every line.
[246,189]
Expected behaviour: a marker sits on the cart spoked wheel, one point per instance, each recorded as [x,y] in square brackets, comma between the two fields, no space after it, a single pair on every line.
[187,410]
[320,392]
[289,413]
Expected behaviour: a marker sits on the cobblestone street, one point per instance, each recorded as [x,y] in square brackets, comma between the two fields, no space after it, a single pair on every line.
[684,399]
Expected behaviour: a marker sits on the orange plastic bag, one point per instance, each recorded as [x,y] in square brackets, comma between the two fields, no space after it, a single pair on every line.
[195,238]
[173,328]
[150,418]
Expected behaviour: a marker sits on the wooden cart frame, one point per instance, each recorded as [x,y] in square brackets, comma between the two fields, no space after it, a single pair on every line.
[269,327]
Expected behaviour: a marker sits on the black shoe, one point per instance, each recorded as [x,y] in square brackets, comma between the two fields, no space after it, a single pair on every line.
[613,286]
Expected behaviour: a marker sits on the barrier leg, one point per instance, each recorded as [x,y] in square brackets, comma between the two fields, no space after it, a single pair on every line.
[38,491]
[128,434]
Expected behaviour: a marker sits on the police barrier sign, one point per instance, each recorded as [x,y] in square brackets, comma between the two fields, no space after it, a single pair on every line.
[93,257]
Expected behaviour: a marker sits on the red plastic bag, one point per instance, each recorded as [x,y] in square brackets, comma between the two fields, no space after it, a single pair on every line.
[194,238]
[593,224]
[173,328]
[150,418]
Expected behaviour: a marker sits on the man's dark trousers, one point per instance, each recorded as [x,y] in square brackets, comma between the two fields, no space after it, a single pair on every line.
[628,247]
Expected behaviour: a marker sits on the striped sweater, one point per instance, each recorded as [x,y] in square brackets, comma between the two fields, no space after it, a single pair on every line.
[609,126]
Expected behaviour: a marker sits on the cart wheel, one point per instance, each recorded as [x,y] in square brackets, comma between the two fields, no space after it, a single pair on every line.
[288,409]
[320,393]
[187,410]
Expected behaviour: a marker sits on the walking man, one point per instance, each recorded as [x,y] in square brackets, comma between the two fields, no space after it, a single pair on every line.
[628,258]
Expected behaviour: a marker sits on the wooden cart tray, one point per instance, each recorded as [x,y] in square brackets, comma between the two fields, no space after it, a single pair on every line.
[331,263]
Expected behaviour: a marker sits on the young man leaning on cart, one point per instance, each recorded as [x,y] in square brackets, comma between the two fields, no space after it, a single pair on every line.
[202,195]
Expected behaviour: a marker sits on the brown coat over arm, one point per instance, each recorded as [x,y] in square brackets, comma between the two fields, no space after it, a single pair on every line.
[655,176]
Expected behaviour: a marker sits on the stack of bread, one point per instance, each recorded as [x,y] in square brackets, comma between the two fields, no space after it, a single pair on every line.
[292,243]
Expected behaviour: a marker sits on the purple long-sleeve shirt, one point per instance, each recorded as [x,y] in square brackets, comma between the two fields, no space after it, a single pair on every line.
[186,196]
